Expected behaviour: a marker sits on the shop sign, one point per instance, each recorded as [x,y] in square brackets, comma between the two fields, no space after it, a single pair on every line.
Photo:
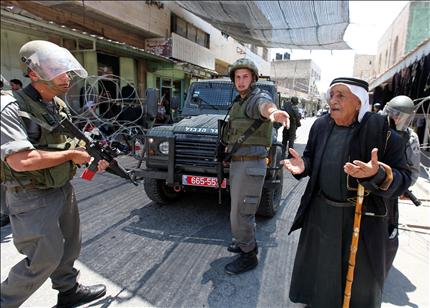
[159,46]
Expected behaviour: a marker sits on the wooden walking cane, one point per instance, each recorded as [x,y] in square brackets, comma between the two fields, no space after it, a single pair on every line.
[354,246]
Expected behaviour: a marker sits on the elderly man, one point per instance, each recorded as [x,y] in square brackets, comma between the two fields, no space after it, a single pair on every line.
[37,165]
[345,147]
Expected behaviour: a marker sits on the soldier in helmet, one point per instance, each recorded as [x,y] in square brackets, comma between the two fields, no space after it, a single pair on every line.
[401,112]
[37,164]
[248,162]
[377,107]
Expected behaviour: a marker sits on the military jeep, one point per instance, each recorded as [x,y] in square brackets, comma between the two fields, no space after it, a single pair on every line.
[182,157]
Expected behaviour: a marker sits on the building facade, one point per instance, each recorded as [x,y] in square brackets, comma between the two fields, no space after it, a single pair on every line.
[402,64]
[408,30]
[364,67]
[150,44]
[298,78]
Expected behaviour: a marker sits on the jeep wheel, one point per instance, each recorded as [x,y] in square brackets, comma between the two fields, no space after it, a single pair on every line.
[271,197]
[159,192]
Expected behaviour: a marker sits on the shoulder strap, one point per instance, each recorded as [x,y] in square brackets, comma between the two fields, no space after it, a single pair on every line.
[25,103]
[254,126]
[251,129]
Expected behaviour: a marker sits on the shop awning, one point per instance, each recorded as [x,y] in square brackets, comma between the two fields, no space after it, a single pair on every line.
[278,24]
[414,55]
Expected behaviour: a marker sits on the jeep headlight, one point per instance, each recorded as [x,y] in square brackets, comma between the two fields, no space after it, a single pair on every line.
[163,147]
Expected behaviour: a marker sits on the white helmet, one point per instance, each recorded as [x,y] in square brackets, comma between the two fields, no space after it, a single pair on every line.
[49,60]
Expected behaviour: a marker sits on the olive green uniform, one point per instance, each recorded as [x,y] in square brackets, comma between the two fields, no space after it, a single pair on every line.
[248,165]
[41,204]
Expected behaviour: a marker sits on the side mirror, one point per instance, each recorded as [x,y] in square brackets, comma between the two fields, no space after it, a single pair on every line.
[152,97]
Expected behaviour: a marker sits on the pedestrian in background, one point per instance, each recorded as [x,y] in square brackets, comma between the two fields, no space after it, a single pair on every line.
[248,162]
[289,135]
[346,147]
[37,166]
[15,84]
[377,108]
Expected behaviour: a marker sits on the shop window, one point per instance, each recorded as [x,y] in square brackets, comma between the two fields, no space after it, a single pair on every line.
[207,40]
[189,31]
[396,43]
[201,38]
[167,83]
[265,54]
[181,27]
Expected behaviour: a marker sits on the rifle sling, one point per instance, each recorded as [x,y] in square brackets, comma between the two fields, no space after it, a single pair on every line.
[251,129]
[46,126]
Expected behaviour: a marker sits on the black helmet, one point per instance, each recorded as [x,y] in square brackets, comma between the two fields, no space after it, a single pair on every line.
[243,63]
[401,110]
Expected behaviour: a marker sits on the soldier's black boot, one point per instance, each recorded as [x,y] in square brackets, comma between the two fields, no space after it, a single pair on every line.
[245,262]
[79,295]
[234,247]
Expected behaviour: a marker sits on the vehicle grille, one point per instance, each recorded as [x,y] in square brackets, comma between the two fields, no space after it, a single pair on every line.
[195,150]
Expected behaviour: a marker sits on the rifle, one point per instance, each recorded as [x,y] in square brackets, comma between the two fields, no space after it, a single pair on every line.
[220,156]
[410,195]
[97,151]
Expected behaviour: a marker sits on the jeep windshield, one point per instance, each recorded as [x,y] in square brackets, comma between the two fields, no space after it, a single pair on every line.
[214,97]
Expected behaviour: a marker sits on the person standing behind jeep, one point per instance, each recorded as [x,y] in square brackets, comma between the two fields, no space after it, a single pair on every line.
[289,135]
[248,162]
[37,164]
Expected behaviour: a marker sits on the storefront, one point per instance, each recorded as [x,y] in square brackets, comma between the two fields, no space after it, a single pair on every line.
[98,55]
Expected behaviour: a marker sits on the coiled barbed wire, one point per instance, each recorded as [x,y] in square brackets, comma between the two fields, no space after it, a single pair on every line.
[111,113]
[425,113]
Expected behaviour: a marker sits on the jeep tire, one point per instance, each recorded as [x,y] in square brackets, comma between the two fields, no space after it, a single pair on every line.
[159,192]
[271,197]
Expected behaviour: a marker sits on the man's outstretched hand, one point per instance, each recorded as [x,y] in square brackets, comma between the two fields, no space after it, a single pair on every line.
[361,170]
[295,165]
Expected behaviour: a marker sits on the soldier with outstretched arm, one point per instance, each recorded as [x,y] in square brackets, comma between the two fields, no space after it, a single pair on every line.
[248,135]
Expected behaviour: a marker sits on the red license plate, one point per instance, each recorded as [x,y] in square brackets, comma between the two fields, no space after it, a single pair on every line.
[203,181]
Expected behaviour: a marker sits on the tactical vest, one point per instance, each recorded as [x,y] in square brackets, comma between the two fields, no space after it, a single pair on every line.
[239,122]
[49,140]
